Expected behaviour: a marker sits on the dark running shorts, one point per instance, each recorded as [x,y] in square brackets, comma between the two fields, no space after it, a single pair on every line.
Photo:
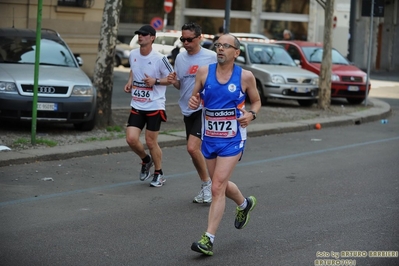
[152,119]
[193,124]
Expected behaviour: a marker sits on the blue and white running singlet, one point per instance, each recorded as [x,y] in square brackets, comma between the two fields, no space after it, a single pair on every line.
[221,104]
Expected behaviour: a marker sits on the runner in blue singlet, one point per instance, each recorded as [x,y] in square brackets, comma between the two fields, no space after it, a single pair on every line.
[222,89]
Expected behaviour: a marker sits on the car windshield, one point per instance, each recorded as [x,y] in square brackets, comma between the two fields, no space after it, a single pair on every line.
[315,55]
[269,55]
[22,50]
[166,40]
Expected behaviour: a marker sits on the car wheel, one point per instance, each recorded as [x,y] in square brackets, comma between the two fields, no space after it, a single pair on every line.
[263,99]
[117,61]
[355,100]
[85,126]
[306,103]
[170,59]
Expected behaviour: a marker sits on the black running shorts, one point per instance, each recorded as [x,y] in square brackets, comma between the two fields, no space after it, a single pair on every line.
[193,124]
[152,119]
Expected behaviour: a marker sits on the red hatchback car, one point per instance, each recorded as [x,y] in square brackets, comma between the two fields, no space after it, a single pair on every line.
[347,80]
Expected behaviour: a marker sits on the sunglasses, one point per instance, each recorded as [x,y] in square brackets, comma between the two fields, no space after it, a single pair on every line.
[183,40]
[143,34]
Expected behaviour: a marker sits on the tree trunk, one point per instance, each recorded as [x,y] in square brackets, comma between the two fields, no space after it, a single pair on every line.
[104,68]
[325,70]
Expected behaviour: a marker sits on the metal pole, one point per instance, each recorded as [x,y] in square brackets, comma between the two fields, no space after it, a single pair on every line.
[370,50]
[352,22]
[165,21]
[226,23]
[36,72]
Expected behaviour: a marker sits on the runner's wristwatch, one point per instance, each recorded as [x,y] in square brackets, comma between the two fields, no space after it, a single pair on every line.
[157,82]
[253,114]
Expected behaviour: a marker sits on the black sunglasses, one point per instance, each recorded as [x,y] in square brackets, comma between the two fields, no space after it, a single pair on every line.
[183,40]
[143,34]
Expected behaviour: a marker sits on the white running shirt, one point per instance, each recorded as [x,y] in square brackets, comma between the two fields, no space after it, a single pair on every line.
[154,65]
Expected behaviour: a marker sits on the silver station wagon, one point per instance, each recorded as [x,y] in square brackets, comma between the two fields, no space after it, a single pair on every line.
[276,73]
[65,93]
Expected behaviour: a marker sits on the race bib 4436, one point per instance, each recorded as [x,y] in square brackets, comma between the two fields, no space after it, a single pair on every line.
[141,94]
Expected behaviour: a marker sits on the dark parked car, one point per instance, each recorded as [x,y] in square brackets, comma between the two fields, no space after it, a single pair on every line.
[65,93]
[347,80]
[122,53]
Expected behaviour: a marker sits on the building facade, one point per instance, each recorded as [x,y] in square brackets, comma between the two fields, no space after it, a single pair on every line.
[384,33]
[79,22]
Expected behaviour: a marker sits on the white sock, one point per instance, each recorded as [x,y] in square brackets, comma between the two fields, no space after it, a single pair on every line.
[243,205]
[211,237]
[207,183]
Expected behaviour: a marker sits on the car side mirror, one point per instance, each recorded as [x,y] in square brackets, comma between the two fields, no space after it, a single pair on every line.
[297,62]
[79,59]
[240,59]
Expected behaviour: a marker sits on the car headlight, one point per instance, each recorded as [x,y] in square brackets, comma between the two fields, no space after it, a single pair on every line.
[8,87]
[334,77]
[315,81]
[277,79]
[83,91]
[365,78]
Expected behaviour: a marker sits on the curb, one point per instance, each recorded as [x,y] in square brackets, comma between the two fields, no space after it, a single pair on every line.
[379,111]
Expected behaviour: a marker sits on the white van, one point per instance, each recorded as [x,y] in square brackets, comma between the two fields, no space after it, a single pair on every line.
[164,42]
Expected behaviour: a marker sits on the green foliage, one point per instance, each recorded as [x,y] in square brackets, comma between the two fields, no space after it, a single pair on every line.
[47,142]
[114,129]
[21,141]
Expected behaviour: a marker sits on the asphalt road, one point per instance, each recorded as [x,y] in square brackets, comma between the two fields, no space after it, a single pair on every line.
[320,194]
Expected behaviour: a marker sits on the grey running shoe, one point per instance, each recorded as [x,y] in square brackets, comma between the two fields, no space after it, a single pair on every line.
[157,180]
[205,195]
[242,216]
[204,245]
[145,169]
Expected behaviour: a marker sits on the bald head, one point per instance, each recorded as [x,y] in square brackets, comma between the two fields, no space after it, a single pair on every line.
[230,39]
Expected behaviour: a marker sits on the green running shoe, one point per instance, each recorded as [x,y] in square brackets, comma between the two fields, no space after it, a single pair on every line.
[242,216]
[204,246]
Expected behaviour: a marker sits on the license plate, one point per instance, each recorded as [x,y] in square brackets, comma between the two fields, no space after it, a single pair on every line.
[47,107]
[353,88]
[301,90]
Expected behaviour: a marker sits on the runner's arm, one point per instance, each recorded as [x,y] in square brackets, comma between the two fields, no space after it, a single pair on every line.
[128,86]
[248,83]
[200,78]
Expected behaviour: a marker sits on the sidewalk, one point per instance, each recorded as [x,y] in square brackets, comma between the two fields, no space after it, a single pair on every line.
[378,111]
